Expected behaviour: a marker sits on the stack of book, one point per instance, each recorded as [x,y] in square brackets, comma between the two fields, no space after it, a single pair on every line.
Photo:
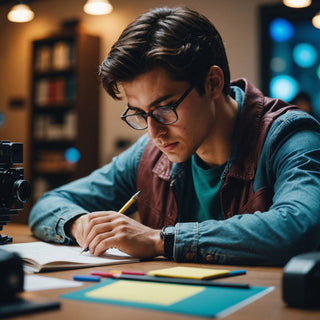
[55,91]
[58,56]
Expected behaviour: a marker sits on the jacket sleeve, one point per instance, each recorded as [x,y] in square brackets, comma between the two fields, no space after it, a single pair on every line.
[290,162]
[104,189]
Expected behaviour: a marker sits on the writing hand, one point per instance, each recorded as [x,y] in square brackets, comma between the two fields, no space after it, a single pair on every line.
[109,229]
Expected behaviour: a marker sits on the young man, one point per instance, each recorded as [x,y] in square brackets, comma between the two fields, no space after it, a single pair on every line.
[226,175]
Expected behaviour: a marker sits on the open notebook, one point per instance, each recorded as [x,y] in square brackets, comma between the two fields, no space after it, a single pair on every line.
[41,256]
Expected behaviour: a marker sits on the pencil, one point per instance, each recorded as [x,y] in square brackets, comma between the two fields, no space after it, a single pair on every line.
[130,202]
[122,210]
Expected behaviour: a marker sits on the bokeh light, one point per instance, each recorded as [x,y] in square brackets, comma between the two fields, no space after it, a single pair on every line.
[280,30]
[304,55]
[72,155]
[1,119]
[283,87]
[316,20]
[278,64]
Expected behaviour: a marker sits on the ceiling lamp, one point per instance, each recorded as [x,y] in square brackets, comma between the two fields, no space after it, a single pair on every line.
[316,20]
[20,13]
[97,7]
[297,3]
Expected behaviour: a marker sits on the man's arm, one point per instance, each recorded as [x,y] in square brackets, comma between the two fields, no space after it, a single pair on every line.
[289,227]
[107,188]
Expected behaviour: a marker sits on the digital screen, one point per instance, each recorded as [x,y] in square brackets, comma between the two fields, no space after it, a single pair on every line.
[290,54]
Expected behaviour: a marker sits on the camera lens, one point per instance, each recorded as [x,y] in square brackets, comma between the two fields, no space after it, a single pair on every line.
[22,190]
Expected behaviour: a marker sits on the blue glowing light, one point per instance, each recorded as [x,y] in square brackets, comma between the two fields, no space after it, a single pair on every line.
[283,87]
[72,155]
[318,72]
[280,30]
[1,119]
[304,55]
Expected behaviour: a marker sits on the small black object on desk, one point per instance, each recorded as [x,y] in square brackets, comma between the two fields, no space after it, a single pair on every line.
[301,281]
[12,281]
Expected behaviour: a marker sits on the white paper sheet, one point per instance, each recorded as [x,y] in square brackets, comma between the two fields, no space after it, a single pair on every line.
[35,282]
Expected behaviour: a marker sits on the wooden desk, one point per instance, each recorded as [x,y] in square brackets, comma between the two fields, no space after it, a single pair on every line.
[268,307]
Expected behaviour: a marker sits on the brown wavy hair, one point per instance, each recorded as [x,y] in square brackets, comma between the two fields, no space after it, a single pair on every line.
[181,40]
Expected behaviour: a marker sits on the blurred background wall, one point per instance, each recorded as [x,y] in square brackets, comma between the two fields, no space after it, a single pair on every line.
[237,21]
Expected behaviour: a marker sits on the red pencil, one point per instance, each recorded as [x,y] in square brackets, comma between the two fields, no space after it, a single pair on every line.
[111,273]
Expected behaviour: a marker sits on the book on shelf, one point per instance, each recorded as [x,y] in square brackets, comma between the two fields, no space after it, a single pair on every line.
[60,89]
[72,53]
[42,92]
[46,127]
[60,55]
[52,94]
[55,91]
[70,91]
[57,56]
[43,59]
[42,256]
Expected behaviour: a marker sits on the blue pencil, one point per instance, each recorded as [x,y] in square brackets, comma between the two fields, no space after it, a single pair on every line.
[232,273]
[79,277]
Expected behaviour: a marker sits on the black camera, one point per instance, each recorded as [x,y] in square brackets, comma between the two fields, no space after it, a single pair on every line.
[14,190]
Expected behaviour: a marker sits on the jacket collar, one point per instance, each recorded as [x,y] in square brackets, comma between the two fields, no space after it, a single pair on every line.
[252,123]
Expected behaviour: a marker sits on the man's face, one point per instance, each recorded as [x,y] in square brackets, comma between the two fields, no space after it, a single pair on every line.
[195,113]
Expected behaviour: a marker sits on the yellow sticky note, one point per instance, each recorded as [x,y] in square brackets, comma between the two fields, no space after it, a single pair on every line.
[188,272]
[145,292]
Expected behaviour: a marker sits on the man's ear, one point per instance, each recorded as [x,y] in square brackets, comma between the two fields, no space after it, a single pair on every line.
[214,82]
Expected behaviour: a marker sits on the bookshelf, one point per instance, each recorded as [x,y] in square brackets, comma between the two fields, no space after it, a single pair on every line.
[64,109]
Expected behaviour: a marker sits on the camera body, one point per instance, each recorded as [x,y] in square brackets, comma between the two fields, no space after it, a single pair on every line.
[14,190]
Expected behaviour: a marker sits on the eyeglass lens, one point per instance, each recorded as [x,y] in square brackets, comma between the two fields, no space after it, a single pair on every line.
[164,114]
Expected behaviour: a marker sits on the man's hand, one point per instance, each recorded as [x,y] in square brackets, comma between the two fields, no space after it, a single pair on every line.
[109,229]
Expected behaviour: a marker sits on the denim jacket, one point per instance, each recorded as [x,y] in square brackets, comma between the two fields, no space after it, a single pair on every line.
[289,164]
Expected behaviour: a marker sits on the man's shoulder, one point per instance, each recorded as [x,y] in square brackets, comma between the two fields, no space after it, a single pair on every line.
[291,123]
[296,118]
[140,145]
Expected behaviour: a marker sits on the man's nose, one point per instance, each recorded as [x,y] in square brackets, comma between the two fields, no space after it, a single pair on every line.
[155,129]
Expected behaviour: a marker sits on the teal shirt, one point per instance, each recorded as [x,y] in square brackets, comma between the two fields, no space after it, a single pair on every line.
[207,182]
[205,193]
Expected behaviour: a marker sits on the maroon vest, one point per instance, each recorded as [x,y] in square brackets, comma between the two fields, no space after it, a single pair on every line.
[157,204]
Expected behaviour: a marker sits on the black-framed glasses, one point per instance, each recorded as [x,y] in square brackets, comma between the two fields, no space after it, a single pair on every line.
[164,114]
